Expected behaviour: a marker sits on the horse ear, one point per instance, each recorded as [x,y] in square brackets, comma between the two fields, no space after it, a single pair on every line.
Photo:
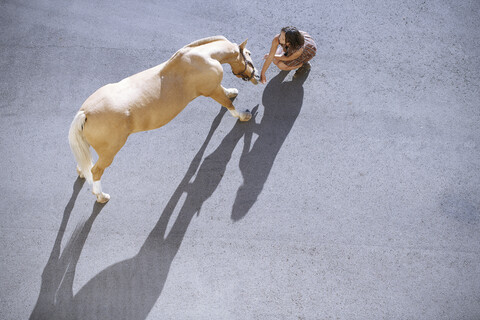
[244,44]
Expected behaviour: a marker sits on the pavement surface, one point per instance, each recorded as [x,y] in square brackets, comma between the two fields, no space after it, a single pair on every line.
[354,193]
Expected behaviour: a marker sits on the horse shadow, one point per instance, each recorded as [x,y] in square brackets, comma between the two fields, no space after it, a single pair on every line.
[56,295]
[282,102]
[130,288]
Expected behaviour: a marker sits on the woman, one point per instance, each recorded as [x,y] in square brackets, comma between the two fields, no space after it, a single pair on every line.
[291,49]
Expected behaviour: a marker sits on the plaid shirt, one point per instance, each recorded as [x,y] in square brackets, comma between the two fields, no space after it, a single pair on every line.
[309,51]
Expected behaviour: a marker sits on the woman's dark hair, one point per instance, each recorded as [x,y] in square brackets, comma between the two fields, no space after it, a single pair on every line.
[294,37]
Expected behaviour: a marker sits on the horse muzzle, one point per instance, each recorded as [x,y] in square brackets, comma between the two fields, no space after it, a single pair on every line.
[255,77]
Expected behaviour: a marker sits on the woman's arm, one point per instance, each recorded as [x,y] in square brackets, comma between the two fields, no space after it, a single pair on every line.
[269,59]
[294,56]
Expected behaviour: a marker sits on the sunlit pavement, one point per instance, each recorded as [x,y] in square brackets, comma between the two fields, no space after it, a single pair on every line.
[353,193]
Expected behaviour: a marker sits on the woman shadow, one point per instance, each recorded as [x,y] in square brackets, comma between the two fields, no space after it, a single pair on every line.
[130,288]
[282,102]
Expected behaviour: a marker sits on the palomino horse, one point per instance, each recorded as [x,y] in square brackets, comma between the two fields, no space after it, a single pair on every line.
[150,99]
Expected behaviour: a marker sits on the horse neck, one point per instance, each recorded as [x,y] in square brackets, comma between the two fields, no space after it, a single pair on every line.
[226,52]
[221,50]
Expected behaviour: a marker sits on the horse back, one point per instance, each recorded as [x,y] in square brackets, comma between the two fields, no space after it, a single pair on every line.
[152,98]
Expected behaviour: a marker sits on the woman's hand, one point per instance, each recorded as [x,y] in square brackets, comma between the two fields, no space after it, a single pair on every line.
[263,79]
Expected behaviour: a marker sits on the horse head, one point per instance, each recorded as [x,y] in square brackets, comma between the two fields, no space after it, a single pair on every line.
[246,71]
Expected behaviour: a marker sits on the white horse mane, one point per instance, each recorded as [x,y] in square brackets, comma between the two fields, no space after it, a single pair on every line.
[197,44]
[205,41]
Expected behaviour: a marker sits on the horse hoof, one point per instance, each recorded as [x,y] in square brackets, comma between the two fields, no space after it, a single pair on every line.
[245,116]
[103,198]
[80,173]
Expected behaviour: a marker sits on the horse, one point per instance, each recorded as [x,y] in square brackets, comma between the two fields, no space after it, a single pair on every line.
[150,99]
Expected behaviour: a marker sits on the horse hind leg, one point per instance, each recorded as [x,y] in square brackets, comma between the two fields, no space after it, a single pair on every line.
[106,138]
[105,159]
[80,173]
[102,163]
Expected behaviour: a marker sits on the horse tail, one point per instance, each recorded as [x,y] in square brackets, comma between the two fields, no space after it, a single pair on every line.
[80,147]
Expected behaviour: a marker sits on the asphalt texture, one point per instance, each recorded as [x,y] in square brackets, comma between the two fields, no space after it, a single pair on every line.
[354,192]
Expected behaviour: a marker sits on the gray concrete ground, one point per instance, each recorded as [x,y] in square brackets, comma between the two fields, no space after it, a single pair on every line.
[353,194]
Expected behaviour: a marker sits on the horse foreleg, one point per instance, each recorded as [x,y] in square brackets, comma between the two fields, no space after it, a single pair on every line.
[231,93]
[222,96]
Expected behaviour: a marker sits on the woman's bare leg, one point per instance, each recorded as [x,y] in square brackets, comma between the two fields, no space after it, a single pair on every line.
[279,52]
[283,66]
